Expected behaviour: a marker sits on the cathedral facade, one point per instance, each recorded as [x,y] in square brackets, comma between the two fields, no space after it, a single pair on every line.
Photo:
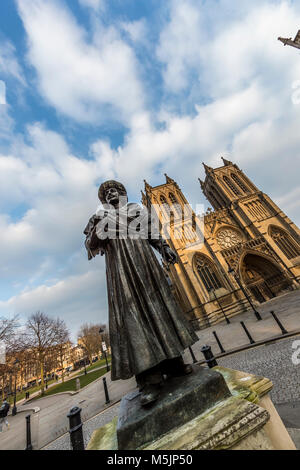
[245,247]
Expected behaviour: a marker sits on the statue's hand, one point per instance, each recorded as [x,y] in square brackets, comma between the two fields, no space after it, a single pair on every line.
[170,255]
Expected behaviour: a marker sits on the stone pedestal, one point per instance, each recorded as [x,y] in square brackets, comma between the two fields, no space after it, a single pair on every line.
[181,400]
[210,409]
[256,389]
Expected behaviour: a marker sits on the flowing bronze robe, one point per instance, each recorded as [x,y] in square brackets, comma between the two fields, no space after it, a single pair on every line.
[146,325]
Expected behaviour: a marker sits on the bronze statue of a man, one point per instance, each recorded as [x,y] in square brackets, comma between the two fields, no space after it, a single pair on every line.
[148,332]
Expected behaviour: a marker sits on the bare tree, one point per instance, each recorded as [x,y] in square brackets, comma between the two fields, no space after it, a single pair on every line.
[11,336]
[64,344]
[42,334]
[89,339]
[8,328]
[5,375]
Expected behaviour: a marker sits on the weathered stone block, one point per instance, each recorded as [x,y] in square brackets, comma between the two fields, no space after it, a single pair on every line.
[181,400]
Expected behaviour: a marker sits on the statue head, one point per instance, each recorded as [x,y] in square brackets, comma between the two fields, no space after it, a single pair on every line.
[111,191]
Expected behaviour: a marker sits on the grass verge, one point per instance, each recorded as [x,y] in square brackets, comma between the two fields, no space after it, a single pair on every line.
[70,385]
[100,363]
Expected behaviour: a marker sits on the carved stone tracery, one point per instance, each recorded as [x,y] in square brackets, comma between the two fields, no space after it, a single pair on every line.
[227,238]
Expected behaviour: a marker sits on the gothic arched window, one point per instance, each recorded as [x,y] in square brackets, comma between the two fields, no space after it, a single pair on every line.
[163,199]
[175,204]
[207,273]
[173,198]
[231,186]
[240,183]
[213,200]
[285,242]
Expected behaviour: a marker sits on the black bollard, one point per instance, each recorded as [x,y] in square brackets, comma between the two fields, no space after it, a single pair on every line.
[219,342]
[209,357]
[28,434]
[75,431]
[193,355]
[106,391]
[247,332]
[283,330]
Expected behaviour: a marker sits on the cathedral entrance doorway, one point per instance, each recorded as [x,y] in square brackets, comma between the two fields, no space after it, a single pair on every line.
[263,278]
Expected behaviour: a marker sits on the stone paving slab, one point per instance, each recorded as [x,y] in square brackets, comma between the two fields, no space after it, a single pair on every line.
[286,307]
[63,443]
[273,361]
[295,435]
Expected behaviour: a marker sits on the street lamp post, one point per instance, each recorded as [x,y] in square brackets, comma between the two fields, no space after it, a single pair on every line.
[84,359]
[105,355]
[14,410]
[220,305]
[236,277]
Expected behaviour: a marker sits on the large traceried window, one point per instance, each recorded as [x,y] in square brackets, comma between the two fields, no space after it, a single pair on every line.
[213,200]
[207,273]
[175,205]
[285,242]
[231,185]
[173,198]
[163,199]
[240,183]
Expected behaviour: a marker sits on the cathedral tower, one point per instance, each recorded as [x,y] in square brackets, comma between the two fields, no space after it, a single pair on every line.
[263,244]
[246,232]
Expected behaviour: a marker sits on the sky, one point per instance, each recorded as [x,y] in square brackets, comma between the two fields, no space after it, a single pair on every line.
[129,90]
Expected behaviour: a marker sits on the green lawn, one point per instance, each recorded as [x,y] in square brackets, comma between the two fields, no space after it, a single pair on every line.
[70,385]
[21,395]
[100,363]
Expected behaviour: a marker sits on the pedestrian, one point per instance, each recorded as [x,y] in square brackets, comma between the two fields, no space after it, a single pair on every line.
[3,414]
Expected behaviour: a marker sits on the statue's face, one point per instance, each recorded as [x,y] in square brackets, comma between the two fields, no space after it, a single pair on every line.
[112,196]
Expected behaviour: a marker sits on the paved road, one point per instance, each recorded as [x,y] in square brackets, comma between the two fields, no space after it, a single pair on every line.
[52,418]
[272,361]
[286,307]
[15,437]
[63,443]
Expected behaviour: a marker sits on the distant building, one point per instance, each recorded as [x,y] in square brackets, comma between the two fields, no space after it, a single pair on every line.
[291,42]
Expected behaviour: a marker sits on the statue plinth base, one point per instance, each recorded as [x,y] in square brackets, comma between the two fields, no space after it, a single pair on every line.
[209,409]
[181,400]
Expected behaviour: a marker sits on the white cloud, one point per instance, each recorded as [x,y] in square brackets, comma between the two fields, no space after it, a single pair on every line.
[11,81]
[250,117]
[42,250]
[2,92]
[9,65]
[76,299]
[226,56]
[136,30]
[291,200]
[94,4]
[222,53]
[6,122]
[59,191]
[87,80]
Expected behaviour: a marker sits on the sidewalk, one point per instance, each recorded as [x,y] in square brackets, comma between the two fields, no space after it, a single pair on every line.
[286,307]
[51,421]
[38,392]
[272,361]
